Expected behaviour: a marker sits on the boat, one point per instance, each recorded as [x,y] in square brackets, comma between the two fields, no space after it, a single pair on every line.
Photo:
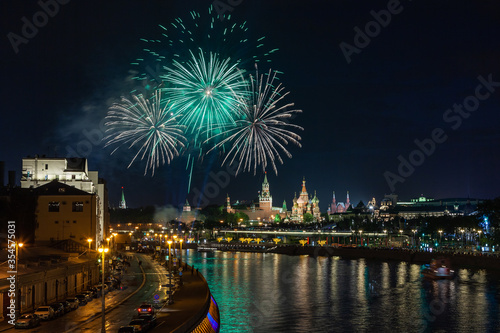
[438,269]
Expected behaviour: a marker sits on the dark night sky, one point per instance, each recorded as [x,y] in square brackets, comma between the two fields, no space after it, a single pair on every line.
[358,117]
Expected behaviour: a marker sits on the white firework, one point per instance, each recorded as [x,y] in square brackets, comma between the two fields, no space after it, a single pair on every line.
[144,124]
[260,136]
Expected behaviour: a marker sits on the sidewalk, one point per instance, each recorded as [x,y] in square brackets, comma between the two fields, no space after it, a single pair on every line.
[131,282]
[189,300]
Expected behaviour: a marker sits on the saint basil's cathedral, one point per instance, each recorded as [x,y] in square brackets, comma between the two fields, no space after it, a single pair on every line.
[265,212]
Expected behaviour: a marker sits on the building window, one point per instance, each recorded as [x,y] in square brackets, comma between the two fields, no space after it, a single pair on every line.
[54,206]
[78,206]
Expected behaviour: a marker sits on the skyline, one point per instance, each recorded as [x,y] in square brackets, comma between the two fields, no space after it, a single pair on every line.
[361,109]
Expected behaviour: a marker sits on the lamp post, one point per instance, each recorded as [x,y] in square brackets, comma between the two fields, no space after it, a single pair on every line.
[18,245]
[386,238]
[479,237]
[90,241]
[169,272]
[180,260]
[440,237]
[175,241]
[463,243]
[103,251]
[361,237]
[414,239]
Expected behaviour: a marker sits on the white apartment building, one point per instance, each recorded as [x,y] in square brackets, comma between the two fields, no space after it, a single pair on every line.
[37,171]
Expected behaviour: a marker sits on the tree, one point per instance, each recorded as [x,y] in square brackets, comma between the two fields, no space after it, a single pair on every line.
[308,217]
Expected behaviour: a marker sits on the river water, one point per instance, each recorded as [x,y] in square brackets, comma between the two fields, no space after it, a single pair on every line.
[259,292]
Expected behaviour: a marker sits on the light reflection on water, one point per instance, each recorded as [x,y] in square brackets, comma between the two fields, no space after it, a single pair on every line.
[276,293]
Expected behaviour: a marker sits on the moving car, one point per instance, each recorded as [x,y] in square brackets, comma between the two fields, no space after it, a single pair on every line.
[28,320]
[45,312]
[145,309]
[149,318]
[140,325]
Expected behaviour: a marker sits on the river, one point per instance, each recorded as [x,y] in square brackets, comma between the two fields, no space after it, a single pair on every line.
[259,292]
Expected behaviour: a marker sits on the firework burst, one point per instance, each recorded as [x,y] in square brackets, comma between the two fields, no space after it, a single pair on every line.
[146,124]
[175,40]
[260,136]
[207,91]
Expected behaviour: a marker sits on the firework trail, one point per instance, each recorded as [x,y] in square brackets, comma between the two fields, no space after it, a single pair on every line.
[208,92]
[147,125]
[260,136]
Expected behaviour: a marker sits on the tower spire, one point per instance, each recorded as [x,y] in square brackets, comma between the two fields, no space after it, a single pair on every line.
[123,204]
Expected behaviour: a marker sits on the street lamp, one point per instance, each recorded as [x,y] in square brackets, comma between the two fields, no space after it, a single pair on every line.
[90,241]
[103,251]
[18,245]
[414,239]
[180,260]
[169,272]
[361,237]
[463,243]
[440,237]
[479,237]
[175,241]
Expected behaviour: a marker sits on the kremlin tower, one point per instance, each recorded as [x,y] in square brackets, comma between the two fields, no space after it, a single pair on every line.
[123,204]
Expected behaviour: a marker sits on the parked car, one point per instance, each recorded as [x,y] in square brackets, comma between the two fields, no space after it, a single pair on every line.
[96,292]
[109,284]
[140,325]
[73,303]
[67,306]
[82,299]
[28,320]
[89,295]
[58,309]
[99,287]
[45,312]
[127,329]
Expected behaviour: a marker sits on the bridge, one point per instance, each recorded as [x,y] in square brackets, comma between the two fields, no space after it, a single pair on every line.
[309,233]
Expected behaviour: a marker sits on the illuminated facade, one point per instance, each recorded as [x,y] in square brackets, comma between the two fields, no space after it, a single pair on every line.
[38,171]
[302,205]
[64,212]
[339,207]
